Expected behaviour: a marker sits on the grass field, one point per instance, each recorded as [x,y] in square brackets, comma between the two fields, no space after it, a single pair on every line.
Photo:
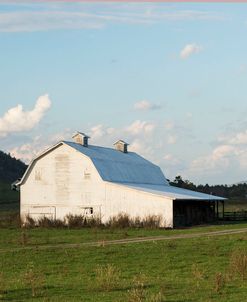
[175,270]
[199,269]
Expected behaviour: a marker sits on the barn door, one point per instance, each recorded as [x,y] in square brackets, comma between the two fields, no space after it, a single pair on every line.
[37,212]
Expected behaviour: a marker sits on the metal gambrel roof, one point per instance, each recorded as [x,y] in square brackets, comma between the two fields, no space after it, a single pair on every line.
[116,166]
[129,170]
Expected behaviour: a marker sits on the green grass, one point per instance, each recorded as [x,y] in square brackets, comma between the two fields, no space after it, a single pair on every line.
[186,270]
[236,204]
[177,270]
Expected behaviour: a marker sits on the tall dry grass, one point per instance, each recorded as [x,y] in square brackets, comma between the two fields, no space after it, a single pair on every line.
[79,221]
[238,263]
[107,277]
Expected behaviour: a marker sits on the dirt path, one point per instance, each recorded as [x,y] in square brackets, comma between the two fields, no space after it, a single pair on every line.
[125,241]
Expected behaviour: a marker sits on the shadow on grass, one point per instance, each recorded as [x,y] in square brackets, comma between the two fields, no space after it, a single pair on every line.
[214,223]
[25,294]
[120,288]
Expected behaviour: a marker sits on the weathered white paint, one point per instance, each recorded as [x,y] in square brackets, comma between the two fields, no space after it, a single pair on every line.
[64,181]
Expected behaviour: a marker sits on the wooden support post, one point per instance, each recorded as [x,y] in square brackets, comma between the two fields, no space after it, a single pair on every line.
[223,209]
[217,205]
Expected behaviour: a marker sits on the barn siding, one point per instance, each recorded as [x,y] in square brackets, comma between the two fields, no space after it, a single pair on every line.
[136,204]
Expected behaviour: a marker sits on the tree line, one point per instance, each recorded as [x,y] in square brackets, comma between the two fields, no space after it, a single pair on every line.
[10,168]
[228,191]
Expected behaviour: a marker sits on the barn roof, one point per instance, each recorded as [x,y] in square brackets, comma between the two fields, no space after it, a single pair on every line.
[172,192]
[129,170]
[116,166]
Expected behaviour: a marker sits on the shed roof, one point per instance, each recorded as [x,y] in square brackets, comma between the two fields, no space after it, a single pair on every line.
[172,192]
[116,166]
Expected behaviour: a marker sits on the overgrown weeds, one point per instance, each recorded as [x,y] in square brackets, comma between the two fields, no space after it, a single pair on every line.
[80,221]
[238,263]
[198,274]
[50,223]
[219,282]
[34,280]
[24,237]
[119,221]
[138,292]
[29,222]
[123,220]
[107,277]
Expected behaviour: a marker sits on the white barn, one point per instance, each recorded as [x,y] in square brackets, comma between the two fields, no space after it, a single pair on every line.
[81,179]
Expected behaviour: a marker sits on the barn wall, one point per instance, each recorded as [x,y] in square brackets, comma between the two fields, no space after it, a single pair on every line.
[121,199]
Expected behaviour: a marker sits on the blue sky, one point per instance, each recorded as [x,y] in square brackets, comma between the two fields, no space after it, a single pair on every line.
[168,78]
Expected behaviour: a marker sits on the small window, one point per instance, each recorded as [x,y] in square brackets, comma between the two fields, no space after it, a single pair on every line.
[38,174]
[87,175]
[88,211]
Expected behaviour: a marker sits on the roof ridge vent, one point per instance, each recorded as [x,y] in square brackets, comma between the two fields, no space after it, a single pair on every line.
[81,138]
[121,145]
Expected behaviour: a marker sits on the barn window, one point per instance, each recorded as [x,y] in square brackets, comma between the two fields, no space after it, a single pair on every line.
[87,174]
[88,211]
[38,174]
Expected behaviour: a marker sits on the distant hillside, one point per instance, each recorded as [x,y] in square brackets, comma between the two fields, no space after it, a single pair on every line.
[10,168]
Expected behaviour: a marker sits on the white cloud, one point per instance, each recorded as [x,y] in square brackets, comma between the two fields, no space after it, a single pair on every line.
[17,120]
[169,125]
[27,151]
[219,159]
[138,127]
[51,16]
[172,139]
[190,49]
[239,138]
[171,159]
[99,131]
[146,105]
